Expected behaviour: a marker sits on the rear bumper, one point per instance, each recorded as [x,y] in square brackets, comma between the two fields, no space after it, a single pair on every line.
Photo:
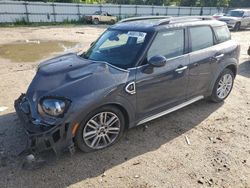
[41,136]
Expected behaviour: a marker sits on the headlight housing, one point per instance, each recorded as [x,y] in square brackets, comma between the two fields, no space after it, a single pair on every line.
[54,107]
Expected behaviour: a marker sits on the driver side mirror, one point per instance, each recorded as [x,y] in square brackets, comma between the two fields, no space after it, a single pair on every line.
[157,61]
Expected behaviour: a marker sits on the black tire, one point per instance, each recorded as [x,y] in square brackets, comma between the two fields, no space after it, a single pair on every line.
[96,21]
[79,140]
[214,97]
[237,26]
[112,22]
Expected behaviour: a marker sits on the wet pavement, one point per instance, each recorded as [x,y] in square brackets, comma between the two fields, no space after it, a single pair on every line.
[33,50]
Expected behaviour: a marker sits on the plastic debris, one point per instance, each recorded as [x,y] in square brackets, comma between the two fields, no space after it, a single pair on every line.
[187,140]
[3,108]
[136,163]
[32,163]
[32,41]
[136,176]
[30,158]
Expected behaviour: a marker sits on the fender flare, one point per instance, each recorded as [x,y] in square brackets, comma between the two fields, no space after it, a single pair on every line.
[223,65]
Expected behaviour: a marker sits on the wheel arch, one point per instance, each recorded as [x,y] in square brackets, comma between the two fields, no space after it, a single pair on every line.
[90,108]
[231,66]
[123,110]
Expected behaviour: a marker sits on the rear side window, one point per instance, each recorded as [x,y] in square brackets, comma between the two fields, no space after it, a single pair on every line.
[222,34]
[168,43]
[201,37]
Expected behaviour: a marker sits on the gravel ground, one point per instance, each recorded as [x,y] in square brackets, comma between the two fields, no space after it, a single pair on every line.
[152,155]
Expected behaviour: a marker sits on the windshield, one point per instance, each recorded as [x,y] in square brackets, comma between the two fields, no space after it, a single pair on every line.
[119,48]
[235,13]
[97,13]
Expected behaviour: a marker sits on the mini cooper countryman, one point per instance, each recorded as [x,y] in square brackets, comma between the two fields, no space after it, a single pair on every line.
[138,70]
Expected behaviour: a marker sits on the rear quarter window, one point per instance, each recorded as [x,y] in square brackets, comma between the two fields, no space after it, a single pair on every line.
[222,34]
[201,37]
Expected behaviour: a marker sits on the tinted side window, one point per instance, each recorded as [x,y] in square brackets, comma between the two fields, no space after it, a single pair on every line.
[168,43]
[222,34]
[201,37]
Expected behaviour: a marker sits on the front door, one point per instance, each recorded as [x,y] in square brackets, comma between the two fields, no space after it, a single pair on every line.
[246,19]
[160,88]
[104,17]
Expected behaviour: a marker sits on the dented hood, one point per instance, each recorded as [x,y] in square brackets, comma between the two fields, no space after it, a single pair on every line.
[229,18]
[71,76]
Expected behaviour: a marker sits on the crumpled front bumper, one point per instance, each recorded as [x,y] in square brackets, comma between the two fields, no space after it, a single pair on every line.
[230,25]
[41,136]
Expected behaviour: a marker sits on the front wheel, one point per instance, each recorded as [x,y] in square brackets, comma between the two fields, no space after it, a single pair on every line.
[223,86]
[112,22]
[96,21]
[237,26]
[101,129]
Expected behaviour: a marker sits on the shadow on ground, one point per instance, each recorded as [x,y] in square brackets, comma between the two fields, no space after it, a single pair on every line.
[68,170]
[244,69]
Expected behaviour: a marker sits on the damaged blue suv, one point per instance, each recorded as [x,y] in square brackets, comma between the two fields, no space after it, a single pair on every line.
[138,70]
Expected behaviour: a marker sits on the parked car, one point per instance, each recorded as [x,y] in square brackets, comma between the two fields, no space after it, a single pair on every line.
[138,70]
[218,15]
[101,16]
[237,19]
[248,51]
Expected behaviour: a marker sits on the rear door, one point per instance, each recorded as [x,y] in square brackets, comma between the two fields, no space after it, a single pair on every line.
[202,51]
[226,48]
[246,19]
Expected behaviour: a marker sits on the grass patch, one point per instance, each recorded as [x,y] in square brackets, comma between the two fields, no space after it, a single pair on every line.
[23,23]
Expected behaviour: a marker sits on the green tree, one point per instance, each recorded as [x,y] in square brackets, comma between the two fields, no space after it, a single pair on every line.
[239,3]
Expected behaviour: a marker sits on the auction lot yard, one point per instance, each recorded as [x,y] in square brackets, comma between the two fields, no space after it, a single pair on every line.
[152,155]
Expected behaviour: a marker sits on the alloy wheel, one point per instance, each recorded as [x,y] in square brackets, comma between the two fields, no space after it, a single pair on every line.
[101,130]
[224,86]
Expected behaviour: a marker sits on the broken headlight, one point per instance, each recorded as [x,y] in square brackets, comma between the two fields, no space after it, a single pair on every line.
[54,107]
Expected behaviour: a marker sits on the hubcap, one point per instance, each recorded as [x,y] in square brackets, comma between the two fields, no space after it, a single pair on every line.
[101,130]
[224,86]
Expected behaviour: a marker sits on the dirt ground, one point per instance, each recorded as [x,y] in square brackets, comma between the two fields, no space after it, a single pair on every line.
[152,155]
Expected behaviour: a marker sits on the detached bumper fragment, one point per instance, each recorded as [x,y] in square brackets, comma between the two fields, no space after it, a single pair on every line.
[41,136]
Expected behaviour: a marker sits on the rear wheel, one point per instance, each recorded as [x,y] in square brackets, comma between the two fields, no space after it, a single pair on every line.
[237,26]
[101,129]
[112,21]
[223,86]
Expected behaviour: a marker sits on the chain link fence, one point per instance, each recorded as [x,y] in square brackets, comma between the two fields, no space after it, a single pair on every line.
[14,11]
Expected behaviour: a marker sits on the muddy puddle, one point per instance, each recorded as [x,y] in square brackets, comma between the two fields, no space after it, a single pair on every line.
[34,50]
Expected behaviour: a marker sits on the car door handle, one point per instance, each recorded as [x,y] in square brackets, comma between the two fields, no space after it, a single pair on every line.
[216,58]
[181,69]
[219,57]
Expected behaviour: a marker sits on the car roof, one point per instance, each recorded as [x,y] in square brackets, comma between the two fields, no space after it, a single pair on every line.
[238,9]
[152,25]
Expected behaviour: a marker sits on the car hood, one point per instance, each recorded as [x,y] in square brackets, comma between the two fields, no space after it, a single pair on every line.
[227,18]
[71,76]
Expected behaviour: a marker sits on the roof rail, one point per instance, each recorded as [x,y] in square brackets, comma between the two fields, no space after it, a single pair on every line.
[184,19]
[144,18]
